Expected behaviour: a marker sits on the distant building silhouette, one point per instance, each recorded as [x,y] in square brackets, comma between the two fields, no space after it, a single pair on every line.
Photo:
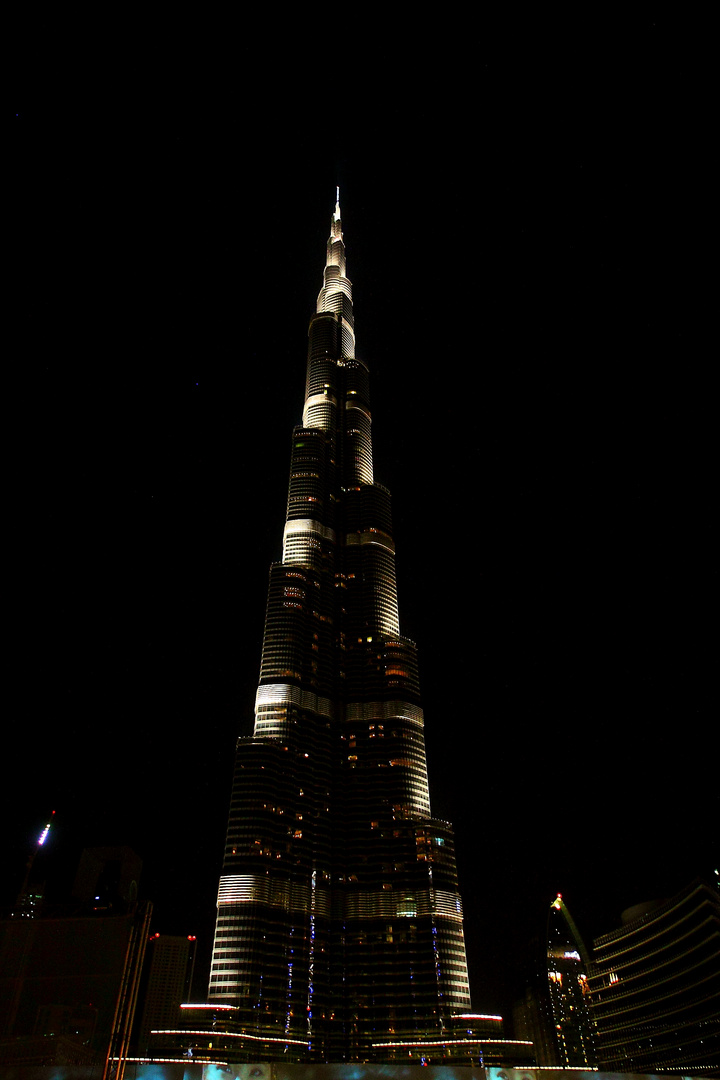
[69,975]
[107,879]
[655,985]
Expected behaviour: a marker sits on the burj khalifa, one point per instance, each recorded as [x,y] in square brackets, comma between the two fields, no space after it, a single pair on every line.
[339,922]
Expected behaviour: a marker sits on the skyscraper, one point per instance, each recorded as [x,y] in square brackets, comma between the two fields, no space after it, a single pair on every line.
[339,926]
[555,1010]
[567,974]
[167,979]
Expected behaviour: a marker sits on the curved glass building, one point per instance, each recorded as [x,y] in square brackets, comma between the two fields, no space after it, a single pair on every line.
[655,985]
[339,920]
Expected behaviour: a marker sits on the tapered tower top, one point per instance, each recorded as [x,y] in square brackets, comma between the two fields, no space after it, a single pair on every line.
[336,292]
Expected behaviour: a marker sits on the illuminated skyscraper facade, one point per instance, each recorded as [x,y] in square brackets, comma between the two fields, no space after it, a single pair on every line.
[567,972]
[339,921]
[554,1011]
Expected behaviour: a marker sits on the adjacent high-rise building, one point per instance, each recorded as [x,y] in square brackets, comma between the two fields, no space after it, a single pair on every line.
[339,925]
[554,1011]
[567,986]
[655,986]
[167,980]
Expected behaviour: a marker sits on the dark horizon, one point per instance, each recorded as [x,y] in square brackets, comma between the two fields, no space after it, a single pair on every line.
[542,419]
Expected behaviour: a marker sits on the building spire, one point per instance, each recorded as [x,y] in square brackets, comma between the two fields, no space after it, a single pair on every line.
[336,292]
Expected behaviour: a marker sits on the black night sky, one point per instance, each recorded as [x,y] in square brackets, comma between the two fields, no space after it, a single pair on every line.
[526,228]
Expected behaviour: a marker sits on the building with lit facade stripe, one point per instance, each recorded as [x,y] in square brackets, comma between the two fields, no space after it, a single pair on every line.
[655,986]
[339,921]
[567,985]
[554,1012]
